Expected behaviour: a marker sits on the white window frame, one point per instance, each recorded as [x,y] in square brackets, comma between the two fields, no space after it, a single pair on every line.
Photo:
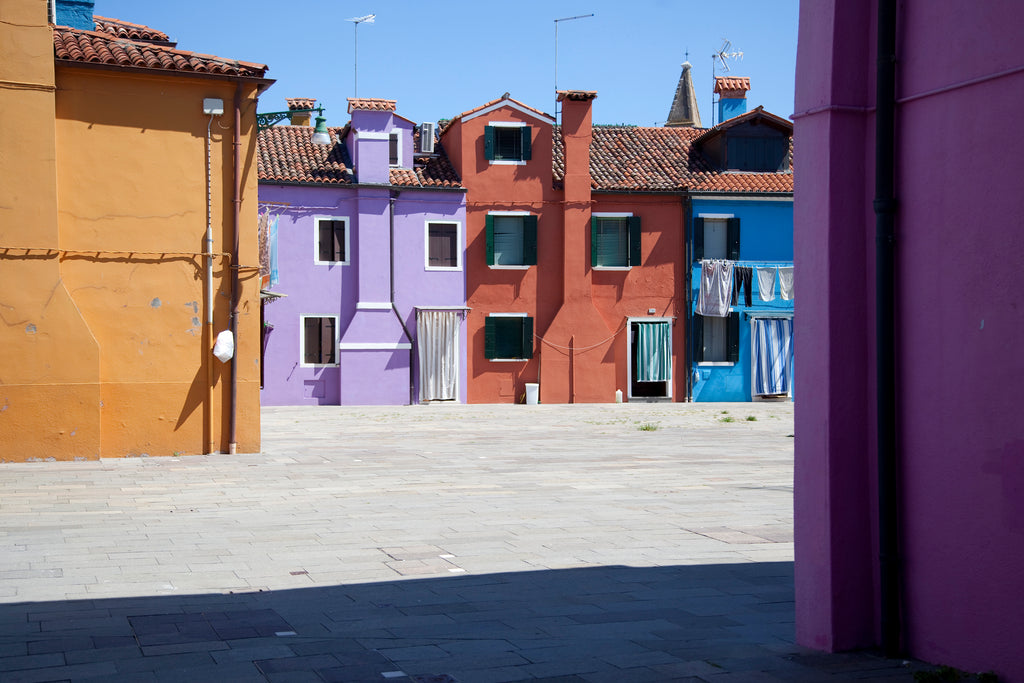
[629,354]
[316,240]
[426,245]
[508,315]
[509,213]
[612,214]
[302,341]
[507,124]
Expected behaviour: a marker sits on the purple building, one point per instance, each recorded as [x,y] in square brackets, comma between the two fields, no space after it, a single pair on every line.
[909,480]
[365,303]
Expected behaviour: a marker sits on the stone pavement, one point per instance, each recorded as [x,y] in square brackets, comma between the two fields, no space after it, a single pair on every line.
[636,542]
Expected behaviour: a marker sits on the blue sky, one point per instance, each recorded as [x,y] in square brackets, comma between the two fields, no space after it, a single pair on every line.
[439,59]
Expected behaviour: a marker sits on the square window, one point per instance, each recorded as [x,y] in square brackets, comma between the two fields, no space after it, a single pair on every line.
[507,143]
[443,245]
[508,337]
[511,240]
[615,241]
[716,340]
[716,237]
[332,240]
[319,340]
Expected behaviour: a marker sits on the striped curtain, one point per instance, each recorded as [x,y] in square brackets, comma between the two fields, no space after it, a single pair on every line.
[654,353]
[437,335]
[772,342]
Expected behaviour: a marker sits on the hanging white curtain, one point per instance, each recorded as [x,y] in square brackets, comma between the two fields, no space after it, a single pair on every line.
[654,354]
[437,334]
[772,340]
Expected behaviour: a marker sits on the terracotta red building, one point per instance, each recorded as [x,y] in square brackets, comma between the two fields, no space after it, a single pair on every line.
[577,257]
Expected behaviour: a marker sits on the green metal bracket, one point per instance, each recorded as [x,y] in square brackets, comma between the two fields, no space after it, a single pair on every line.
[271,118]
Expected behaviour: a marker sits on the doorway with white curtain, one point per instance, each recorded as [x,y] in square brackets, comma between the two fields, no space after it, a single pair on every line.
[771,358]
[650,358]
[437,339]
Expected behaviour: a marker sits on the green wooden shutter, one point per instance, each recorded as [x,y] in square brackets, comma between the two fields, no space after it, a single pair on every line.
[732,338]
[733,237]
[527,337]
[698,239]
[593,242]
[529,240]
[489,337]
[489,223]
[489,143]
[526,132]
[698,338]
[634,240]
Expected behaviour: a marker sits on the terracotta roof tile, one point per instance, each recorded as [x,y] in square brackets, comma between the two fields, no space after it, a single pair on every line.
[300,103]
[578,95]
[129,31]
[92,47]
[660,160]
[369,104]
[286,154]
[730,83]
[503,98]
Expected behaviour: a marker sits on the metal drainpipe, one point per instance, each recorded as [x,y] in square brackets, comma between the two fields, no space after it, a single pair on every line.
[885,293]
[208,445]
[391,246]
[237,203]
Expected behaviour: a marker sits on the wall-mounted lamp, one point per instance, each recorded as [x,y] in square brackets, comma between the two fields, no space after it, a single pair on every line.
[320,134]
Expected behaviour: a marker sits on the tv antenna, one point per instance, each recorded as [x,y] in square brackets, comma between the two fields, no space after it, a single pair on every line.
[724,54]
[367,19]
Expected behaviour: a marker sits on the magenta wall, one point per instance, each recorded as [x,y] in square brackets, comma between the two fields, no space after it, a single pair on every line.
[960,255]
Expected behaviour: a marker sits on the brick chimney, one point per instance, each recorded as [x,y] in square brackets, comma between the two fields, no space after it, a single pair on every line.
[732,96]
[301,118]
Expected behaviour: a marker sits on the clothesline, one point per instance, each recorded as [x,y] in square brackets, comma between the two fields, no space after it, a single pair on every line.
[721,281]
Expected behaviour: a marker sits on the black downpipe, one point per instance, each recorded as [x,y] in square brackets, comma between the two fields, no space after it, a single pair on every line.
[412,344]
[885,294]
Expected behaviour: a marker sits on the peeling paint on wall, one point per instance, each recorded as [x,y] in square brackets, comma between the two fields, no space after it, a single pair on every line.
[30,329]
[155,303]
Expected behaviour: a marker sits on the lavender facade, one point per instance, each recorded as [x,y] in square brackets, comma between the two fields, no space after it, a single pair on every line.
[366,305]
[948,591]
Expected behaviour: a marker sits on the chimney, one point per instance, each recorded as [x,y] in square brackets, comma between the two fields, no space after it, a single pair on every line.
[75,13]
[301,118]
[732,96]
[684,105]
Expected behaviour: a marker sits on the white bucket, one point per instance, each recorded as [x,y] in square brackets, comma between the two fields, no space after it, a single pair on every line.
[532,394]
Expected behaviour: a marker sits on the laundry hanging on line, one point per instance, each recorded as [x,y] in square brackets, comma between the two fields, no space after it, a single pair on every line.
[715,293]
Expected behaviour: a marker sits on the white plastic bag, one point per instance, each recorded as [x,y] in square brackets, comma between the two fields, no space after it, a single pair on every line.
[224,348]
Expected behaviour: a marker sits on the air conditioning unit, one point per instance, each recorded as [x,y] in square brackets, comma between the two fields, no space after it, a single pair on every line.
[427,138]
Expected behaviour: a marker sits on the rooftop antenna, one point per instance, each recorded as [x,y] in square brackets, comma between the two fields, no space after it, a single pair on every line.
[368,19]
[722,56]
[579,16]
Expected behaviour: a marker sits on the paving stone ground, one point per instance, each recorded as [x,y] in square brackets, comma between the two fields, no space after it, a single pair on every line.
[477,544]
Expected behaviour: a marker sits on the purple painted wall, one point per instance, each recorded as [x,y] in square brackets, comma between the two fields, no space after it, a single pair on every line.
[374,352]
[959,253]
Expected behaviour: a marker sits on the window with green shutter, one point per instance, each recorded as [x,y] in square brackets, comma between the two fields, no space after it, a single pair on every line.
[615,241]
[716,340]
[507,143]
[716,238]
[508,337]
[511,240]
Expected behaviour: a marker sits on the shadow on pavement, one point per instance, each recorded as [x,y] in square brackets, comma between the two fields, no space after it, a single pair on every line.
[726,622]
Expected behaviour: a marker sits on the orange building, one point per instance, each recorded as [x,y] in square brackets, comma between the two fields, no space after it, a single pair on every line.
[575,283]
[129,154]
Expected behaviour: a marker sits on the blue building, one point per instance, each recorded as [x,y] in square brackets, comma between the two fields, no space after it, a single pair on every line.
[742,230]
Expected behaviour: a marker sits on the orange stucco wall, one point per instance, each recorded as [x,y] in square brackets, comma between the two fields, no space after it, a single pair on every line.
[106,350]
[580,314]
